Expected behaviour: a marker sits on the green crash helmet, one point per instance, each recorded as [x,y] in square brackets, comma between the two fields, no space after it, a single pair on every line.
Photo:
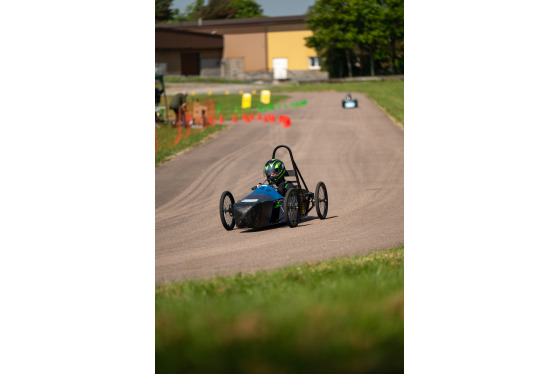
[274,170]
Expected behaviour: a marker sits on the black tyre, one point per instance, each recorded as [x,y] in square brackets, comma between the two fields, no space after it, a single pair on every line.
[321,200]
[292,207]
[226,210]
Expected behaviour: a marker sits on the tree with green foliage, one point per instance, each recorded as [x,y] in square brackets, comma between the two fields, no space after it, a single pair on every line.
[223,9]
[192,10]
[356,36]
[163,10]
[331,22]
[246,9]
[217,9]
[393,18]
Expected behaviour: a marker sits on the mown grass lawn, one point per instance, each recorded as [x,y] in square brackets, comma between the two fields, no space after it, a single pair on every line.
[340,316]
[166,137]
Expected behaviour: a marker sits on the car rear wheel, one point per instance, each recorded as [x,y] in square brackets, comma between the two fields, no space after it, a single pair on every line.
[226,210]
[292,207]
[321,200]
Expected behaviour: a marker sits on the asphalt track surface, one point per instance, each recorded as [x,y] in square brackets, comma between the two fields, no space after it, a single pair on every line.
[357,153]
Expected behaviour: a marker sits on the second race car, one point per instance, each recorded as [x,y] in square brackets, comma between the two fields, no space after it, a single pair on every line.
[348,102]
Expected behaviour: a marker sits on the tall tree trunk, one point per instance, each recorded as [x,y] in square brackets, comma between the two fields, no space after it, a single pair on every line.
[349,64]
[392,49]
[371,67]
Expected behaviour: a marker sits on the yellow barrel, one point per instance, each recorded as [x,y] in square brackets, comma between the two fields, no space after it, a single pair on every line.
[246,101]
[265,96]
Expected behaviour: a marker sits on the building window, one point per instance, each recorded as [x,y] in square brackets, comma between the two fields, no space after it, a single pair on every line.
[314,62]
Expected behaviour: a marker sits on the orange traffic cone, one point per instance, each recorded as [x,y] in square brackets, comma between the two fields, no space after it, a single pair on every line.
[221,118]
[234,118]
[259,116]
[285,120]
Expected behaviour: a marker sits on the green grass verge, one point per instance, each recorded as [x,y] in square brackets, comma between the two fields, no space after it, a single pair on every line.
[389,94]
[339,316]
[228,105]
[166,137]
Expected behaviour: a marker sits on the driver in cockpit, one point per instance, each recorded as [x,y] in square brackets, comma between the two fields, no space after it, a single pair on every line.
[275,172]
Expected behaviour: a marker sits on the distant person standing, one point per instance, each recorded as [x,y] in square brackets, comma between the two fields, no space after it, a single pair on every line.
[176,102]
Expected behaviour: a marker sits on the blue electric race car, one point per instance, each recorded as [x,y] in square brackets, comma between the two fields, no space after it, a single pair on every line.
[265,206]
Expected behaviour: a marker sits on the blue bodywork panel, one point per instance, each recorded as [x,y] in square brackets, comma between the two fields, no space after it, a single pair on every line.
[262,193]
